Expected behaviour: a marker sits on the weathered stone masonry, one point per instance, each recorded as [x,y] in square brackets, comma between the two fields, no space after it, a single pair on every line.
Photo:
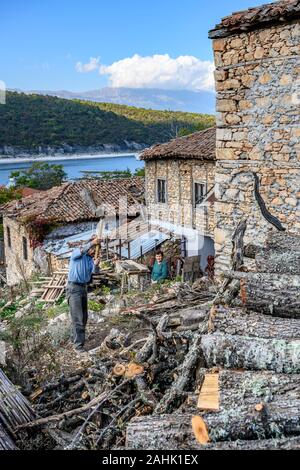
[180,176]
[257,82]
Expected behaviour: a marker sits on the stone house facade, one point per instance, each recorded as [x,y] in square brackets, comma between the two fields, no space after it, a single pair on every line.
[179,183]
[37,223]
[258,96]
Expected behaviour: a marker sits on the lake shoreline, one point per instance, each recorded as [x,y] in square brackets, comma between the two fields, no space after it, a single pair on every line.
[6,160]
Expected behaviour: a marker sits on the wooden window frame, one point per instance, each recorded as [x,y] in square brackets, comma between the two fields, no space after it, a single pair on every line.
[200,183]
[164,180]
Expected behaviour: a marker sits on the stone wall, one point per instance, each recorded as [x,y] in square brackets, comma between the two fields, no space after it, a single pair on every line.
[180,175]
[257,82]
[17,268]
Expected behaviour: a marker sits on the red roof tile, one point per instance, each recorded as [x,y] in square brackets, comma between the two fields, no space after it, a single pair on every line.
[70,201]
[200,145]
[261,16]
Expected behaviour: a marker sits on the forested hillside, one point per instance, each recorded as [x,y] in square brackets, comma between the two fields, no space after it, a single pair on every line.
[30,121]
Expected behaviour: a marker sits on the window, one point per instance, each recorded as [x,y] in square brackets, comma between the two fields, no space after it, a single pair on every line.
[161,191]
[8,237]
[25,249]
[199,193]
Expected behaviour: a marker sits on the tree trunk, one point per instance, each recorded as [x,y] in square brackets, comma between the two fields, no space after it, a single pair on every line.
[272,294]
[244,352]
[240,388]
[239,322]
[286,262]
[173,432]
[283,241]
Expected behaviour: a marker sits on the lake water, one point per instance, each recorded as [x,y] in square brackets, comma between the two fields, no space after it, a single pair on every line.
[75,166]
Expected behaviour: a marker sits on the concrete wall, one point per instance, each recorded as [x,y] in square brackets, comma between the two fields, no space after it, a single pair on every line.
[179,209]
[257,82]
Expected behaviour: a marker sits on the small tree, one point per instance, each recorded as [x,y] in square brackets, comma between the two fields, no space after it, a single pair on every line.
[8,194]
[40,175]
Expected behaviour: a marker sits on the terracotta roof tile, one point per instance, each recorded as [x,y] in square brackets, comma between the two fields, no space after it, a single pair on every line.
[264,15]
[200,145]
[70,201]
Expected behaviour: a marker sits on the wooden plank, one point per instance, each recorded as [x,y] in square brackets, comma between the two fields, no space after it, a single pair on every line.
[55,287]
[209,398]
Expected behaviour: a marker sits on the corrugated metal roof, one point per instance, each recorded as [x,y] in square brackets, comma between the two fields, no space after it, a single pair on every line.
[147,242]
[61,249]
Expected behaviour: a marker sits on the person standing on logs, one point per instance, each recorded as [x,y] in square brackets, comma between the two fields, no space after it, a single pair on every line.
[82,266]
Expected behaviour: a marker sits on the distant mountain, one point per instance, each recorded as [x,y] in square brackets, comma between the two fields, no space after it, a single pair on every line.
[42,124]
[174,100]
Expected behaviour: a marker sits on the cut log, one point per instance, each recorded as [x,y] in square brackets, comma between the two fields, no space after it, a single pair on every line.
[272,294]
[241,388]
[209,398]
[283,241]
[285,262]
[236,321]
[242,352]
[172,432]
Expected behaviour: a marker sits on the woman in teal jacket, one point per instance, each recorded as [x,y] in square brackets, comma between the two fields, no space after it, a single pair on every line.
[160,270]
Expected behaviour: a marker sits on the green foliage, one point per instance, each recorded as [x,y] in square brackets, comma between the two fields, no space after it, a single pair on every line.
[113,174]
[94,306]
[139,172]
[40,175]
[31,121]
[57,310]
[105,290]
[108,175]
[8,311]
[9,194]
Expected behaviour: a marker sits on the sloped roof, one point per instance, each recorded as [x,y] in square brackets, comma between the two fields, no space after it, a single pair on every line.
[200,145]
[257,17]
[76,201]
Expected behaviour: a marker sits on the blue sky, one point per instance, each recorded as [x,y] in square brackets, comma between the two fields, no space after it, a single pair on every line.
[43,40]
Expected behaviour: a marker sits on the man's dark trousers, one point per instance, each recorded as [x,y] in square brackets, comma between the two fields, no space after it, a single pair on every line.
[78,303]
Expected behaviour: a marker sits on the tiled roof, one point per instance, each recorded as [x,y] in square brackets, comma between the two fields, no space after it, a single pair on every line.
[29,191]
[262,16]
[76,201]
[200,145]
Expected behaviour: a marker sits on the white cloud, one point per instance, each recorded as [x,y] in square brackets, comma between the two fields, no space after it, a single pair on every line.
[157,71]
[92,65]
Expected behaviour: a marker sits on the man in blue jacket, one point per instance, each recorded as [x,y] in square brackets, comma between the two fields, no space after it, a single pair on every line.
[82,266]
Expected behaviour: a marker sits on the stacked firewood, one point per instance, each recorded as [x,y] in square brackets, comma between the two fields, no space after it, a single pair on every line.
[231,382]
[255,351]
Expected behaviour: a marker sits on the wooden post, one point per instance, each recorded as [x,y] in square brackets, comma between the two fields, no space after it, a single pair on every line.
[129,251]
[120,248]
[107,252]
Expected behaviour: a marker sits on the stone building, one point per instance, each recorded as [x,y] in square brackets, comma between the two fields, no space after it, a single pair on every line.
[258,89]
[180,179]
[36,226]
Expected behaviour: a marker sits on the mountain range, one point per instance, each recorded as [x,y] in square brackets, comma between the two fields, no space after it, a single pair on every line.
[173,100]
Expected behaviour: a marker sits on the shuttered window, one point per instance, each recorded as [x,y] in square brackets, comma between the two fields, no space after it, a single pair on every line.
[161,191]
[199,193]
